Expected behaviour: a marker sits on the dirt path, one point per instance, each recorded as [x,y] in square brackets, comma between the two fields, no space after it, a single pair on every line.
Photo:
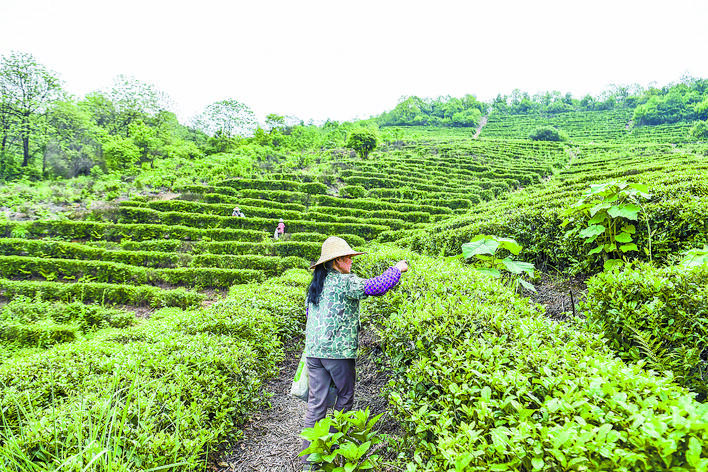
[271,440]
[482,122]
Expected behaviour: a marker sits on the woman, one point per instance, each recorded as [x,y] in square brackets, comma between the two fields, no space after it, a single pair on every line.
[332,332]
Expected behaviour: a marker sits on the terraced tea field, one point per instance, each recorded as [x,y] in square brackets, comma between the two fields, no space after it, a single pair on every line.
[218,297]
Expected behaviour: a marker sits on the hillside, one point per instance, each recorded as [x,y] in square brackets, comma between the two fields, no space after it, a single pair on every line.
[480,378]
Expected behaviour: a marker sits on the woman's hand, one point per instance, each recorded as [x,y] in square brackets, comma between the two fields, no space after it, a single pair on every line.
[402,265]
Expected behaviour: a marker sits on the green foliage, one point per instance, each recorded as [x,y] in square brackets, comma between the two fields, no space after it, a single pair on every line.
[441,111]
[695,257]
[103,293]
[607,210]
[121,154]
[548,133]
[482,251]
[346,449]
[678,102]
[26,322]
[658,315]
[159,395]
[27,89]
[363,141]
[483,380]
[699,132]
[227,118]
[352,191]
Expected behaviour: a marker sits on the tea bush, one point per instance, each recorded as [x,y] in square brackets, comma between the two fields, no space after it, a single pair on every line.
[158,395]
[484,381]
[26,322]
[658,315]
[103,293]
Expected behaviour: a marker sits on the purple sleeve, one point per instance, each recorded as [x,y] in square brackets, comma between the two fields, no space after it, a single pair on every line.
[383,283]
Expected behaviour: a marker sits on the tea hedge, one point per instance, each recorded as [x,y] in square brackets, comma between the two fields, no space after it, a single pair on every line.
[28,323]
[162,394]
[658,315]
[92,230]
[102,293]
[113,272]
[66,250]
[484,381]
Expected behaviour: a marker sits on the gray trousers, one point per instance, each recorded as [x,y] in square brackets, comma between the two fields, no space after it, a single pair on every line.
[321,373]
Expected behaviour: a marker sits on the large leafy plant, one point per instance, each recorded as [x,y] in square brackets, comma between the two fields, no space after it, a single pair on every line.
[348,449]
[481,251]
[604,215]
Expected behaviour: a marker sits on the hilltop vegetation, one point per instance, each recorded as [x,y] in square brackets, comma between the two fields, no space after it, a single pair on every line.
[140,317]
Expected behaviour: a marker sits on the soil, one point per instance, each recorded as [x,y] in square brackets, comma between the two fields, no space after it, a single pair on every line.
[271,438]
[555,296]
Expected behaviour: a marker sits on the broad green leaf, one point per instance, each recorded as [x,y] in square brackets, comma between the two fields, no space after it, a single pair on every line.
[629,247]
[591,231]
[349,450]
[363,448]
[598,188]
[695,257]
[481,246]
[517,267]
[599,207]
[596,250]
[693,453]
[462,461]
[598,218]
[510,245]
[628,210]
[623,237]
[629,229]
[612,263]
[488,271]
[537,463]
[560,437]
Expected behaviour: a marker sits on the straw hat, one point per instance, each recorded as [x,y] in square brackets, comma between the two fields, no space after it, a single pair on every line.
[334,247]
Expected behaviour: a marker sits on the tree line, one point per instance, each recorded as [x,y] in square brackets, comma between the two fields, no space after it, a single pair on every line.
[686,100]
[47,133]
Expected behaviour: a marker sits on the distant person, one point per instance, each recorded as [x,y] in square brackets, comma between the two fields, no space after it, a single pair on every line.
[237,212]
[280,230]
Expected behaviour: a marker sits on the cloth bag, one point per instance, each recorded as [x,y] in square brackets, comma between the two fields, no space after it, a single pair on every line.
[301,386]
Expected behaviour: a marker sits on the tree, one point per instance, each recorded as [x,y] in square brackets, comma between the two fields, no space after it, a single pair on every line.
[101,110]
[73,141]
[27,88]
[699,131]
[363,141]
[228,118]
[135,100]
[548,133]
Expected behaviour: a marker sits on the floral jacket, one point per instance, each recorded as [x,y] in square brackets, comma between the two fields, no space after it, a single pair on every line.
[332,330]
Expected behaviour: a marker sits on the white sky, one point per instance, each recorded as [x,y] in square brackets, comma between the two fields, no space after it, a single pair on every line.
[340,59]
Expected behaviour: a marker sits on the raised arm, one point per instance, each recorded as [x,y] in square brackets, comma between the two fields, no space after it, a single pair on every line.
[382,283]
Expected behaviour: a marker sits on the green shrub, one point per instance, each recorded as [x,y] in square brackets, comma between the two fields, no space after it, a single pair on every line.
[160,395]
[658,315]
[548,133]
[352,191]
[112,294]
[484,381]
[363,141]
